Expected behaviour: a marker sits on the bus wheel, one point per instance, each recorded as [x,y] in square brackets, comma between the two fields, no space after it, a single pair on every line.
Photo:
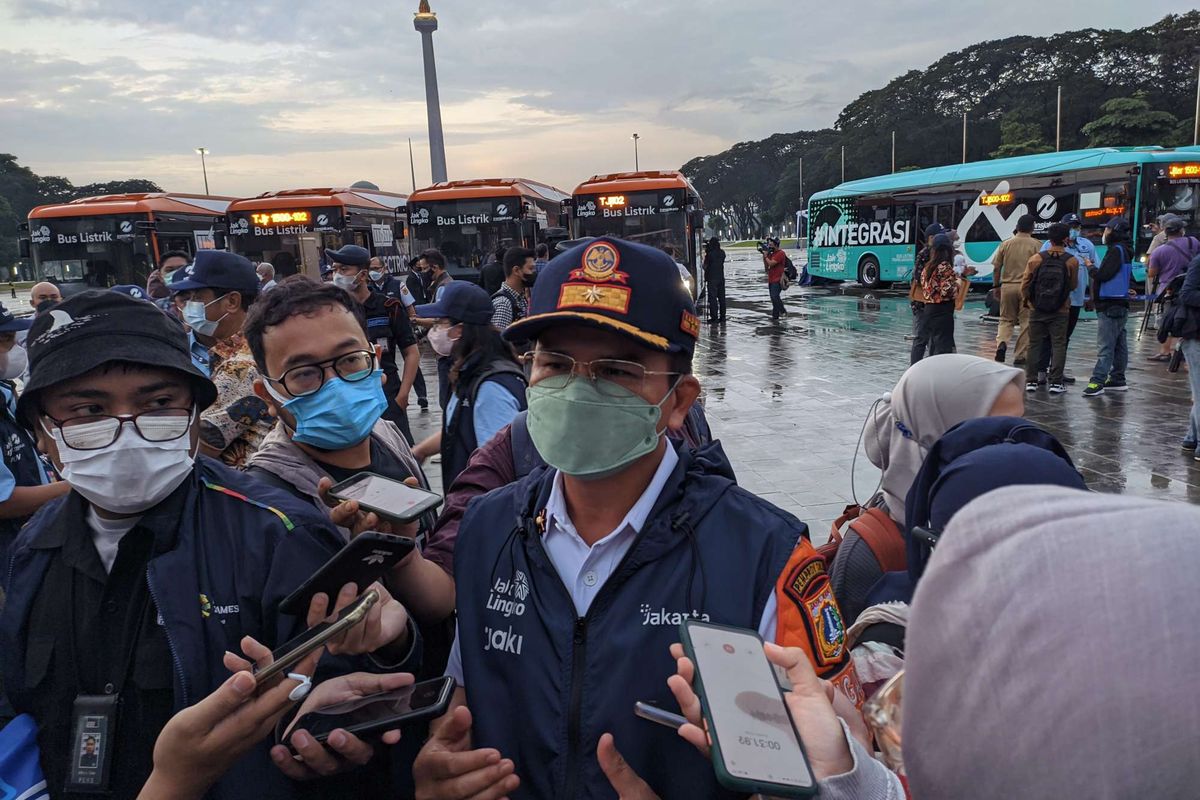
[868,273]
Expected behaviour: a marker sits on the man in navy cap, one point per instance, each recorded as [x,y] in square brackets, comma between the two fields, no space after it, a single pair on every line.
[388,328]
[129,590]
[1084,251]
[24,480]
[571,583]
[213,294]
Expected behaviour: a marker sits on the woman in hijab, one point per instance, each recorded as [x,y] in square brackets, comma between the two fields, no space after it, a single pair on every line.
[931,397]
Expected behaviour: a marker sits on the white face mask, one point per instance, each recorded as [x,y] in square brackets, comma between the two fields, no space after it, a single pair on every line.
[13,363]
[375,276]
[440,340]
[347,282]
[131,474]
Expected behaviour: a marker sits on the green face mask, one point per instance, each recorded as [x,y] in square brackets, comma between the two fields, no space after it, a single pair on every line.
[586,434]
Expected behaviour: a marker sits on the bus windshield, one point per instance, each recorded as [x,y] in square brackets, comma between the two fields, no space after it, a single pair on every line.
[467,231]
[654,218]
[97,250]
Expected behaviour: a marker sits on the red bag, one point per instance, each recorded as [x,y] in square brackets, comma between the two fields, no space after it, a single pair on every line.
[877,529]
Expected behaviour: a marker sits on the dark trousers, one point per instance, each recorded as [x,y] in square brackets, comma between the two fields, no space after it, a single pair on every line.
[420,388]
[939,327]
[444,363]
[777,309]
[716,299]
[1045,327]
[1048,346]
[393,412]
[920,337]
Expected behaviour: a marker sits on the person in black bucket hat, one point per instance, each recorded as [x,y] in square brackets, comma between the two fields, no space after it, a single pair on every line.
[131,588]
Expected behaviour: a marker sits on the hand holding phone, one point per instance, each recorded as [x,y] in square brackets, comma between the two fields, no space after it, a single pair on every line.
[376,713]
[367,558]
[755,744]
[290,653]
[384,627]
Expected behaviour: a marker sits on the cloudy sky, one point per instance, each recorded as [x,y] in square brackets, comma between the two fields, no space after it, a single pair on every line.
[306,93]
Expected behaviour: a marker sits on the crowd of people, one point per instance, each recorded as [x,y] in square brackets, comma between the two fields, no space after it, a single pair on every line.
[981,626]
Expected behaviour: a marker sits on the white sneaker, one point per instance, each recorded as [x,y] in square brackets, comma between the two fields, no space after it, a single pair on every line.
[1057,388]
[1031,386]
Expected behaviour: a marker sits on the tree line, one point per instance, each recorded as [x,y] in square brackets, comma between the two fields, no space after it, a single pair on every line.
[1120,88]
[21,190]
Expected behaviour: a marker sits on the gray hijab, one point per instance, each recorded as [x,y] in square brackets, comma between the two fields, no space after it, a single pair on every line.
[1052,651]
[931,397]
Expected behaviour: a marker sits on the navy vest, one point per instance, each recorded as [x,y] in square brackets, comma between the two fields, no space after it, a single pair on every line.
[1117,287]
[543,684]
[21,456]
[458,440]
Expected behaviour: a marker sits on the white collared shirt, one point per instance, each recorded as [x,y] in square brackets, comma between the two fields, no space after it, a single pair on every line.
[585,569]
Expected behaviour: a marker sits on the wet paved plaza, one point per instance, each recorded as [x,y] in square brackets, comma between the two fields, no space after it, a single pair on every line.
[788,399]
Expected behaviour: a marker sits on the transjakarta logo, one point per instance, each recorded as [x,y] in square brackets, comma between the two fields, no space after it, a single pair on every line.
[126,226]
[40,236]
[323,220]
[842,234]
[508,597]
[502,210]
[660,616]
[669,200]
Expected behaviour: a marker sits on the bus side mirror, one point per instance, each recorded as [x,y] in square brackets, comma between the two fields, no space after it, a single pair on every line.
[219,240]
[398,231]
[24,249]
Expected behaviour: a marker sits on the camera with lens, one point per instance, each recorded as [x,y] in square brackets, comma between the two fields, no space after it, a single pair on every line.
[766,247]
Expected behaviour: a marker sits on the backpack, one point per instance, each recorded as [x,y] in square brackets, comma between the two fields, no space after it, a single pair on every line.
[1049,289]
[512,304]
[873,547]
[878,530]
[789,269]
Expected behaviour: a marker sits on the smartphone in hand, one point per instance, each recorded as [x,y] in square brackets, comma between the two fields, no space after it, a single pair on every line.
[755,745]
[293,651]
[381,712]
[366,559]
[391,499]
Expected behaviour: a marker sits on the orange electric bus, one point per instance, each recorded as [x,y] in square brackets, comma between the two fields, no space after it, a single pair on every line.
[118,238]
[654,208]
[469,220]
[292,228]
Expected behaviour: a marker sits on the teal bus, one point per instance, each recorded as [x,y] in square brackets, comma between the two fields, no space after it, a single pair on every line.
[868,230]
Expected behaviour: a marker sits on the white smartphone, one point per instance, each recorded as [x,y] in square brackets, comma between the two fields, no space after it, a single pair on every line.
[756,747]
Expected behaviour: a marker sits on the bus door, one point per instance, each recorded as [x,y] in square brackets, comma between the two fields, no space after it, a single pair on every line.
[310,255]
[929,213]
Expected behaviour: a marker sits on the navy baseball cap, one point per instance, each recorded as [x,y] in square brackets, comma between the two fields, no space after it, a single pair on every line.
[130,289]
[613,285]
[217,269]
[96,327]
[933,230]
[462,301]
[1175,224]
[1071,219]
[943,240]
[8,322]
[351,255]
[1117,224]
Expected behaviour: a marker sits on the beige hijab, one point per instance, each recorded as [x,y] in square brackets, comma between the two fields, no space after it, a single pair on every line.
[931,397]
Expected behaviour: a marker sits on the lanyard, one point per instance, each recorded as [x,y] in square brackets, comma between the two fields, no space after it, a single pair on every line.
[72,649]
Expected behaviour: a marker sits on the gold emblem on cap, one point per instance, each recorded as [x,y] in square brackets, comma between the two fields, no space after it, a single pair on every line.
[599,264]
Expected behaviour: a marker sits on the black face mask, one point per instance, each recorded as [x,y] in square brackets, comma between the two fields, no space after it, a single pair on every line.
[528,280]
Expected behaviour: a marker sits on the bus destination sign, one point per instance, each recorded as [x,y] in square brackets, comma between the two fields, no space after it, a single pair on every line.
[285,222]
[996,199]
[640,204]
[1183,172]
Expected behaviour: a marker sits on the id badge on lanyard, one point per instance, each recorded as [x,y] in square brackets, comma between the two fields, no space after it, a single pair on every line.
[93,728]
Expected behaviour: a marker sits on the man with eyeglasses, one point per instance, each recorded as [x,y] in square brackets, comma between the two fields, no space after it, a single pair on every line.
[388,328]
[213,295]
[572,582]
[124,596]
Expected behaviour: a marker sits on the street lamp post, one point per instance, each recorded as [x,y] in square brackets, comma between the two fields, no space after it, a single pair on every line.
[636,166]
[203,151]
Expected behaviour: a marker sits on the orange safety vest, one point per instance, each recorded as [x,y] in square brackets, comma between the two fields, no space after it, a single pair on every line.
[809,618]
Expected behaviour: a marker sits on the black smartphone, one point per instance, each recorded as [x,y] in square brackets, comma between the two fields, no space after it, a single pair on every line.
[389,498]
[381,712]
[755,745]
[294,650]
[364,560]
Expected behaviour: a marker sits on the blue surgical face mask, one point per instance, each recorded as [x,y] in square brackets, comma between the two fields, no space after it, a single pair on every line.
[339,414]
[195,314]
[1074,234]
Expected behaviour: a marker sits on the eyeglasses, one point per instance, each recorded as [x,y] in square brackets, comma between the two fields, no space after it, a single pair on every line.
[98,431]
[556,371]
[307,379]
[882,713]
